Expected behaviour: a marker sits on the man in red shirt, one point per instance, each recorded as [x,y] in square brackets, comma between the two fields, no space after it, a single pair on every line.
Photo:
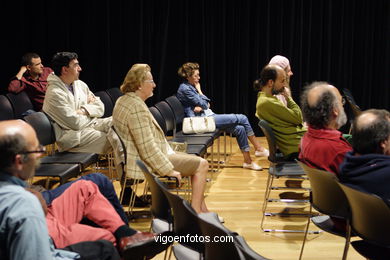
[32,78]
[323,146]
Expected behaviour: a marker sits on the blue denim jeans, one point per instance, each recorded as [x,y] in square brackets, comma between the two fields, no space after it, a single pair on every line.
[105,187]
[238,125]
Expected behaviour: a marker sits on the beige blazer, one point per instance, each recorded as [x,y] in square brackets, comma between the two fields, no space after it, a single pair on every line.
[61,105]
[141,135]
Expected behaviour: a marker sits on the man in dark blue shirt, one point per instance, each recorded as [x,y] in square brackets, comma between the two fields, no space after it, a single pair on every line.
[367,167]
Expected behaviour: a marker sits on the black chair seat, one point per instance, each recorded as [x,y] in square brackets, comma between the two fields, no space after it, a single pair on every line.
[324,222]
[217,133]
[83,159]
[197,149]
[204,140]
[62,171]
[286,169]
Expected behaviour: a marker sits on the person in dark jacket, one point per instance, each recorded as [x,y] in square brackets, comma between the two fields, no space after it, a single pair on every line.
[367,167]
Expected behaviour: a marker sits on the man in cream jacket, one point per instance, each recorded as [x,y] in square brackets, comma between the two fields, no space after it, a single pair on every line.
[75,110]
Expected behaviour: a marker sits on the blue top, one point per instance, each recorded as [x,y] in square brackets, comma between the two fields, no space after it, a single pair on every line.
[190,98]
[368,173]
[23,230]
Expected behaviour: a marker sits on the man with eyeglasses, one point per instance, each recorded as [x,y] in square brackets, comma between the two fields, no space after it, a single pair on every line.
[323,146]
[31,78]
[75,110]
[24,231]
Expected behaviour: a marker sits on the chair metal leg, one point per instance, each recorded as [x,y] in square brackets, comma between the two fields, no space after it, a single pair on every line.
[347,240]
[219,153]
[267,199]
[305,236]
[266,196]
[224,147]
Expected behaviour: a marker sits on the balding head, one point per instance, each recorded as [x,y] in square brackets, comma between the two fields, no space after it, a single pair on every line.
[322,106]
[16,138]
[316,91]
[371,132]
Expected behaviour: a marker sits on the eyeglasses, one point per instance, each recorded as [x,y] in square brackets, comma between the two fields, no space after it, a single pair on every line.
[41,149]
[149,81]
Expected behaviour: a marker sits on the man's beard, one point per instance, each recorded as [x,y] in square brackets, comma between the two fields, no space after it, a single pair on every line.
[341,119]
[276,91]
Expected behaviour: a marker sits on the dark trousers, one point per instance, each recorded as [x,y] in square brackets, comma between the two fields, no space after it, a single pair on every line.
[95,250]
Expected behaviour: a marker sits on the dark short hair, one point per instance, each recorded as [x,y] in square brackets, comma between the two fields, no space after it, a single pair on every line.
[187,69]
[62,59]
[10,145]
[269,72]
[367,138]
[318,115]
[26,58]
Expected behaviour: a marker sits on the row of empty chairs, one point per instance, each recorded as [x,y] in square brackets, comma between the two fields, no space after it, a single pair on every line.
[174,216]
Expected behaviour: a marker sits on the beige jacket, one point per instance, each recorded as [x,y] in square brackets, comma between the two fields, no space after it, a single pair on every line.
[142,136]
[61,105]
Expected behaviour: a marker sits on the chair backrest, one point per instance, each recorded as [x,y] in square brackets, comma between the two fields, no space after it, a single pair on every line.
[160,205]
[42,126]
[326,195]
[159,118]
[177,109]
[271,140]
[20,103]
[369,215]
[225,249]
[114,94]
[184,221]
[107,101]
[6,110]
[168,116]
[351,102]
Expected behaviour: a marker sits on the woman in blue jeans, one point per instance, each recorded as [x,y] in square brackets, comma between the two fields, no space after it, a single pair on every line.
[195,103]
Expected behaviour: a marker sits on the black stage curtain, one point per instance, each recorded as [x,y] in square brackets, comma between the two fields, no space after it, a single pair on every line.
[345,42]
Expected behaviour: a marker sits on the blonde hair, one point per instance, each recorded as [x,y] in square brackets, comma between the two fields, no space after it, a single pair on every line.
[187,69]
[134,77]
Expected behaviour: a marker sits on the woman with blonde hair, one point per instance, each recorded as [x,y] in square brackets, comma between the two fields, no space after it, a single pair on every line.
[144,139]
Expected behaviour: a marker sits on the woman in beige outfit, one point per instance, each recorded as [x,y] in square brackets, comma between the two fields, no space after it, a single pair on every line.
[145,140]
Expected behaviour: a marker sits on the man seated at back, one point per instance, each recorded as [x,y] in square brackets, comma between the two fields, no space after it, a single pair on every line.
[285,121]
[367,167]
[76,111]
[323,146]
[32,78]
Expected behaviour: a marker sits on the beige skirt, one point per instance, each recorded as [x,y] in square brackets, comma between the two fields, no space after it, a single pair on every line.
[184,163]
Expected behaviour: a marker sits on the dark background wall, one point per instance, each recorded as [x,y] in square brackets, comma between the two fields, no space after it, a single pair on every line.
[345,42]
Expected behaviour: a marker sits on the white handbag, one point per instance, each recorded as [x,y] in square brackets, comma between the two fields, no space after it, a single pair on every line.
[198,125]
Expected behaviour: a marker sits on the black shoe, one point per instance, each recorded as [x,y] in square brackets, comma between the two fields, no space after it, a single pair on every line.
[139,202]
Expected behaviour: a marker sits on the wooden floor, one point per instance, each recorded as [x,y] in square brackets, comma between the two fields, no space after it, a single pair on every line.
[236,194]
